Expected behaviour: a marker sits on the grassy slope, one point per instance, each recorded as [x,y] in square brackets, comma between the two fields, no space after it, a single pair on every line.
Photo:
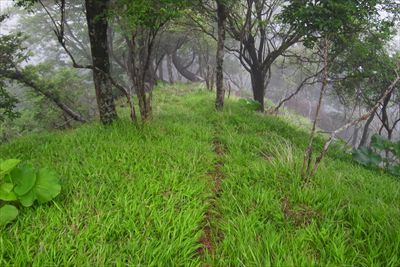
[138,196]
[266,212]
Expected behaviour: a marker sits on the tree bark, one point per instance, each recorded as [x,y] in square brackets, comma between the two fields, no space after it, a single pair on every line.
[161,71]
[170,71]
[258,85]
[141,70]
[308,157]
[97,26]
[210,78]
[222,16]
[29,81]
[201,65]
[355,136]
[364,136]
[385,116]
[184,71]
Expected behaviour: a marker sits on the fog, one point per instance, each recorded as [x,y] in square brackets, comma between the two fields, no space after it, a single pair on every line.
[283,81]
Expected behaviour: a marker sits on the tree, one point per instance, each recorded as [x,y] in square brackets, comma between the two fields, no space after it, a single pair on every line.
[262,38]
[12,55]
[329,25]
[97,24]
[222,16]
[96,12]
[141,22]
[359,75]
[9,50]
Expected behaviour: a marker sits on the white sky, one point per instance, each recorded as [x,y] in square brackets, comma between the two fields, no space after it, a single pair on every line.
[4,5]
[9,24]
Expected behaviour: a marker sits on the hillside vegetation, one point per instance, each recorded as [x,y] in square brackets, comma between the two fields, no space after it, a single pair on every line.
[196,187]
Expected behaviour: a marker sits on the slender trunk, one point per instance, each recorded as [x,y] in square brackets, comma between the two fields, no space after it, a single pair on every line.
[132,108]
[144,103]
[258,86]
[221,13]
[355,136]
[385,116]
[210,78]
[183,70]
[170,72]
[141,94]
[30,82]
[97,26]
[367,115]
[201,66]
[143,73]
[309,151]
[364,136]
[161,71]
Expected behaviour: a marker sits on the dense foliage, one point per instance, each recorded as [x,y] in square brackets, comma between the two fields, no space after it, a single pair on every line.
[336,20]
[7,104]
[11,53]
[382,154]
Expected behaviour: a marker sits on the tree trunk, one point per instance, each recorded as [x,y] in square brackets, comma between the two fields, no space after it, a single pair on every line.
[308,157]
[258,86]
[30,82]
[201,66]
[142,72]
[170,71]
[184,71]
[97,26]
[144,100]
[385,116]
[141,94]
[355,136]
[161,71]
[210,78]
[364,136]
[221,13]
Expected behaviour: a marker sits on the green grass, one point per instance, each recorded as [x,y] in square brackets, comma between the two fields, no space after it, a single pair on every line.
[138,196]
[348,216]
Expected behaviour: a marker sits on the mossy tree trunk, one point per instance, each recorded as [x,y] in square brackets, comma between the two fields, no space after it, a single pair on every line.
[96,12]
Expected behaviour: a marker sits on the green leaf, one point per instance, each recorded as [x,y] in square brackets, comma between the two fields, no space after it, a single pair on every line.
[27,199]
[24,178]
[8,165]
[380,142]
[47,186]
[367,157]
[6,192]
[396,149]
[8,213]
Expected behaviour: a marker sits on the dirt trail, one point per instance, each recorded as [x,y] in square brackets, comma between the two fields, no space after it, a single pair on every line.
[216,176]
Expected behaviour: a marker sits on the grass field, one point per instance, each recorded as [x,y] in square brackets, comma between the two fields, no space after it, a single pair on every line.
[148,196]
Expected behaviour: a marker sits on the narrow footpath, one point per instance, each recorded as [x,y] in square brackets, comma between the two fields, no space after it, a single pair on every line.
[211,237]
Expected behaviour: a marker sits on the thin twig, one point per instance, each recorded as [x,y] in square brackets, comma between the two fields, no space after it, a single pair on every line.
[365,116]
